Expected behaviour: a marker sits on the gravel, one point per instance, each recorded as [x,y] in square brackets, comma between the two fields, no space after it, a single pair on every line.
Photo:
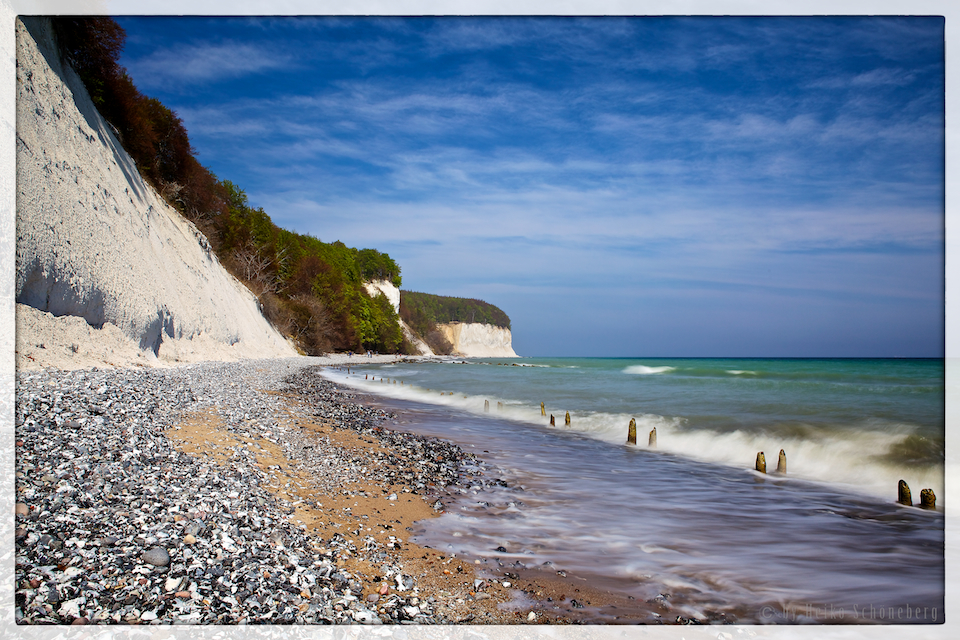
[115,525]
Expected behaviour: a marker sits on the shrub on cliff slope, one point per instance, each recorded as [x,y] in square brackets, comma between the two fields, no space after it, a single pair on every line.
[310,290]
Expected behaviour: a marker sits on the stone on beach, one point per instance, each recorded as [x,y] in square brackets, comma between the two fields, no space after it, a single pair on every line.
[156,556]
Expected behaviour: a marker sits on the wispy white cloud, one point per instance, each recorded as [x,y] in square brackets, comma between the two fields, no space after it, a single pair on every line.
[673,158]
[197,63]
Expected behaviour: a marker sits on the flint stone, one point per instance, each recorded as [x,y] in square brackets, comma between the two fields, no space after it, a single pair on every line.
[156,556]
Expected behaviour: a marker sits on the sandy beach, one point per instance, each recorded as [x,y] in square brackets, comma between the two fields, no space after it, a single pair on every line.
[249,492]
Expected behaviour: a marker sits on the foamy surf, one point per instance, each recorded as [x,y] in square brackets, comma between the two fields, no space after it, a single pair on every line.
[691,516]
[856,460]
[643,370]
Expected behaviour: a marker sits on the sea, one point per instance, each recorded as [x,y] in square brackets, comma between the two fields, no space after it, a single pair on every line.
[688,521]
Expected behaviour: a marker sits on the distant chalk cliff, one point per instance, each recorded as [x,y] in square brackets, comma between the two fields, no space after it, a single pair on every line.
[469,339]
[475,340]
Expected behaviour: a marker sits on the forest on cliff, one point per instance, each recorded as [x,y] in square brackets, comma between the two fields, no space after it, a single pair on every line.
[310,290]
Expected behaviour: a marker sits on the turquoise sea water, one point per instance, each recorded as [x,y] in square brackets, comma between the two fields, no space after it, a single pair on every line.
[691,515]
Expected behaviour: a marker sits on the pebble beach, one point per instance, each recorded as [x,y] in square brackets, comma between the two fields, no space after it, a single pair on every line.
[252,492]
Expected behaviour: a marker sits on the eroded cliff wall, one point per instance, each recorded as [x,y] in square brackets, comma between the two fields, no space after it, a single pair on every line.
[475,340]
[470,339]
[95,241]
[387,288]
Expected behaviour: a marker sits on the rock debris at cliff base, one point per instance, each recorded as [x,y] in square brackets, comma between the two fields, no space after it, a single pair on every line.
[218,494]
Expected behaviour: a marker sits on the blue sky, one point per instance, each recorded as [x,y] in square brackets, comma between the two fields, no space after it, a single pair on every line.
[619,186]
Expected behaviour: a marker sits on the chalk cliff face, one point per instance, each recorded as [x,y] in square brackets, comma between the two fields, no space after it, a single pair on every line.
[475,340]
[469,339]
[387,288]
[95,241]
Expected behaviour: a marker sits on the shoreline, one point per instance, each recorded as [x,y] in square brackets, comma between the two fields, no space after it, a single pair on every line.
[247,492]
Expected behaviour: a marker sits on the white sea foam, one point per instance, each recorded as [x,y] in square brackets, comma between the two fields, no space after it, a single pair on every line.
[643,370]
[738,372]
[850,459]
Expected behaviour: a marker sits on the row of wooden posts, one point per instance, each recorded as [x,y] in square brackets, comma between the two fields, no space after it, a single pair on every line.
[761,465]
[928,499]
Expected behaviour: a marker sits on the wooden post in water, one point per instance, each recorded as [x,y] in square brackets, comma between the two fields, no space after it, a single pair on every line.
[566,421]
[543,410]
[486,406]
[632,432]
[552,423]
[652,440]
[928,499]
[761,463]
[782,462]
[499,406]
[903,494]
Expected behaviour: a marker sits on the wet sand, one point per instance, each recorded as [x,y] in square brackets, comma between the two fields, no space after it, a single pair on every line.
[465,590]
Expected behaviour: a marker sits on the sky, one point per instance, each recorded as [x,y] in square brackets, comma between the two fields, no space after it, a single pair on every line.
[753,187]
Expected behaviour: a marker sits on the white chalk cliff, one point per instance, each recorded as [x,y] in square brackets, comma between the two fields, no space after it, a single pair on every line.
[476,340]
[469,339]
[94,241]
[387,288]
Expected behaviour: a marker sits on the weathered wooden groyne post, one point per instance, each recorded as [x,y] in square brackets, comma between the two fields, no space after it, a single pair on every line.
[486,406]
[566,420]
[903,494]
[761,463]
[552,423]
[632,432]
[652,440]
[543,410]
[499,406]
[782,462]
[928,499]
